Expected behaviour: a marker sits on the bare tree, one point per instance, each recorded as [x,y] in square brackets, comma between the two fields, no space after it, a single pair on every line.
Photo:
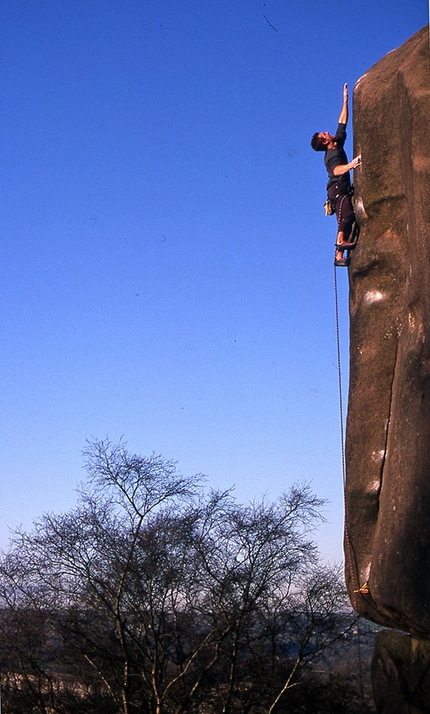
[155,596]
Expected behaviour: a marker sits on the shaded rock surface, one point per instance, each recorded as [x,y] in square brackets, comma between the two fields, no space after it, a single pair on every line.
[387,542]
[401,674]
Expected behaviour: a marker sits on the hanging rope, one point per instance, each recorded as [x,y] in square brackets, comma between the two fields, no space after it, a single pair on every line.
[348,546]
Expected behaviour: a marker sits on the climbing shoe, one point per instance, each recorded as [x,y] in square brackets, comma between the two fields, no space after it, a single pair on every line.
[345,246]
[341,262]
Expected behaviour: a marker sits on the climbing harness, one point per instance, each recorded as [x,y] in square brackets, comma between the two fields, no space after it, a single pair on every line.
[330,204]
[363,590]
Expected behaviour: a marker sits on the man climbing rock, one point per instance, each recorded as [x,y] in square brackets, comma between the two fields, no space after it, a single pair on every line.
[339,187]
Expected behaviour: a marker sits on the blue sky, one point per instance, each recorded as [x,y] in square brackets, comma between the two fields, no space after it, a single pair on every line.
[166,267]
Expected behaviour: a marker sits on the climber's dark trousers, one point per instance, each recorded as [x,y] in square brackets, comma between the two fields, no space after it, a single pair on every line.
[344,210]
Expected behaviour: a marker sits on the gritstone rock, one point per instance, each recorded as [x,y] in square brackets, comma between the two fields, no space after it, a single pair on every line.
[387,543]
[401,674]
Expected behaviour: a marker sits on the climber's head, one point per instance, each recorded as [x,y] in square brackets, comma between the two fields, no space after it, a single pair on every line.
[321,140]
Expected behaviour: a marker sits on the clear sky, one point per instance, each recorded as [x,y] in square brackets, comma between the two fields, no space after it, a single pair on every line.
[166,267]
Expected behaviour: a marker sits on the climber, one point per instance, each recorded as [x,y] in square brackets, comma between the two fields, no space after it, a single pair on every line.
[339,187]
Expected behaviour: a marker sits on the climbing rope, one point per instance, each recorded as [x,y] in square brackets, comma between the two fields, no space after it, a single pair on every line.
[348,546]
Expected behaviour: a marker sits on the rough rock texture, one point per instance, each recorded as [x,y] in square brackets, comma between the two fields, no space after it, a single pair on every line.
[387,540]
[401,674]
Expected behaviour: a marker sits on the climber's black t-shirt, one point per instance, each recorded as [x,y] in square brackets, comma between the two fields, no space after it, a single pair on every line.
[336,157]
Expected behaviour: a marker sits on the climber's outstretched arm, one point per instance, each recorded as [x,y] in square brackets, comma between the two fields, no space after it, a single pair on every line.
[343,118]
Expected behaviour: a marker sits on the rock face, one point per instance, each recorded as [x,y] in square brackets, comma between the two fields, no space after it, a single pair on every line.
[401,674]
[387,543]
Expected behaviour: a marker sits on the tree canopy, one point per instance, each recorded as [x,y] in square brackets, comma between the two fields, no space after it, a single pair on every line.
[156,595]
